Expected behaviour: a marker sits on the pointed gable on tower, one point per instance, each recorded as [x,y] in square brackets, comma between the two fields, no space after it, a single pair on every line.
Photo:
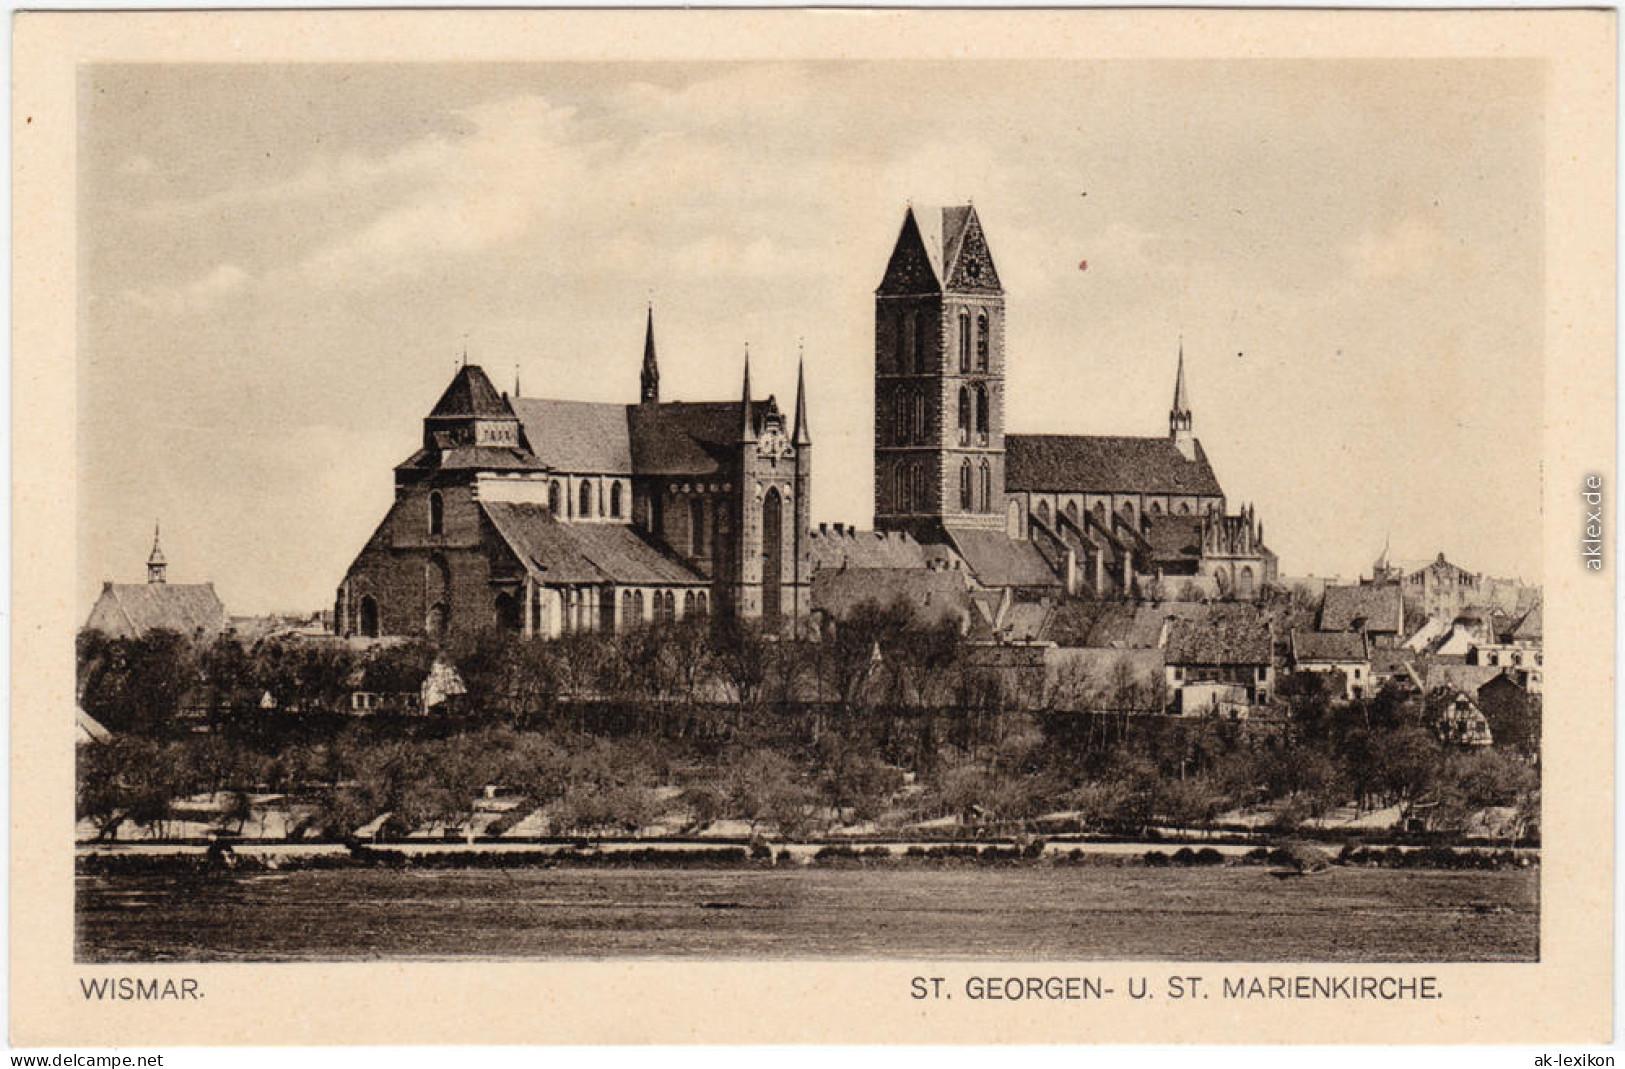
[969,263]
[912,269]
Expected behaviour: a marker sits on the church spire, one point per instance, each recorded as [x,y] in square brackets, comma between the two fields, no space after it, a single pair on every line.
[803,433]
[1179,416]
[747,430]
[156,565]
[650,393]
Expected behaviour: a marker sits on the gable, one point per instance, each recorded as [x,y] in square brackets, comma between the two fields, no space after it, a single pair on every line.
[970,262]
[910,270]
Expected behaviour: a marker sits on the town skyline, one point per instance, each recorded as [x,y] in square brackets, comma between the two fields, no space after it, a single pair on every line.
[285,325]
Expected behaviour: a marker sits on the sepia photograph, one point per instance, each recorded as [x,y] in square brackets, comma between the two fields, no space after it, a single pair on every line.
[827,508]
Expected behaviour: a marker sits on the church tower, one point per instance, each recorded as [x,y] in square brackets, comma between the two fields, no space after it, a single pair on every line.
[156,565]
[1179,416]
[939,379]
[649,392]
[772,563]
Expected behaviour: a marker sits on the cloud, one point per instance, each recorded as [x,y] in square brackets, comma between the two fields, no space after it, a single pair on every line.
[198,295]
[1411,248]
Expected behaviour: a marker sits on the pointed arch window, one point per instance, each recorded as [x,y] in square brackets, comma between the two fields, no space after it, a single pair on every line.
[981,341]
[965,502]
[981,415]
[964,342]
[615,500]
[964,415]
[584,507]
[916,488]
[919,417]
[899,489]
[437,514]
[900,416]
[1042,512]
[555,498]
[986,502]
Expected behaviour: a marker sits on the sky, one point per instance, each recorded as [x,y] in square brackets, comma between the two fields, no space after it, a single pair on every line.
[281,266]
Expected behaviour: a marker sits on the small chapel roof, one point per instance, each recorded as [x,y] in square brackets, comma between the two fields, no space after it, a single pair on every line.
[129,610]
[470,394]
[1105,464]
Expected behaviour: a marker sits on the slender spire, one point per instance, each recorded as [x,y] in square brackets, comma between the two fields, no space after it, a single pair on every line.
[803,433]
[1182,401]
[747,431]
[516,380]
[156,564]
[650,392]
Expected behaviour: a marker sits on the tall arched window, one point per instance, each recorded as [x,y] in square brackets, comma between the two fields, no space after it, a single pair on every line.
[986,503]
[671,606]
[615,499]
[981,341]
[1042,512]
[981,415]
[637,606]
[965,502]
[916,488]
[1072,512]
[700,605]
[964,342]
[919,416]
[900,416]
[1128,511]
[584,507]
[964,415]
[369,616]
[696,526]
[1012,520]
[555,498]
[899,489]
[1099,513]
[437,514]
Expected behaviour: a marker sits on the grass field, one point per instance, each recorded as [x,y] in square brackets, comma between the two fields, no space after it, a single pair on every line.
[1232,913]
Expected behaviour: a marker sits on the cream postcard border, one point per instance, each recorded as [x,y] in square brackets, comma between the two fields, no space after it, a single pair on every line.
[1566,997]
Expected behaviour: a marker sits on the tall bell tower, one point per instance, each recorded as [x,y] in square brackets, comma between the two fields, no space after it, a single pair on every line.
[939,379]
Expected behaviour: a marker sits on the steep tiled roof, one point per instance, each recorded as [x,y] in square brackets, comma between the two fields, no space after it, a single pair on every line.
[470,394]
[685,437]
[1341,646]
[1465,677]
[847,548]
[584,552]
[1529,628]
[934,595]
[1056,462]
[127,610]
[997,560]
[1344,606]
[577,436]
[1230,637]
[1174,539]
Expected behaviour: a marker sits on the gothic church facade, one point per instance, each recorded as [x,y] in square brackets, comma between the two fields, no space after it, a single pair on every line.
[1110,515]
[539,517]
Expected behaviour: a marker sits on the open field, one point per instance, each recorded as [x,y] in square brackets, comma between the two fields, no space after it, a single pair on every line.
[1230,913]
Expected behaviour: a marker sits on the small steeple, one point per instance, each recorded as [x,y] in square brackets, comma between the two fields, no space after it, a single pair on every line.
[747,431]
[803,433]
[516,380]
[1179,416]
[650,392]
[156,565]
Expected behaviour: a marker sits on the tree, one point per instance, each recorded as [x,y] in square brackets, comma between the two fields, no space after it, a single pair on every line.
[762,789]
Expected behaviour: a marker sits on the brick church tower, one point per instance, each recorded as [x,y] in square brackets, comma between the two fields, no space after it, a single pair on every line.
[939,380]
